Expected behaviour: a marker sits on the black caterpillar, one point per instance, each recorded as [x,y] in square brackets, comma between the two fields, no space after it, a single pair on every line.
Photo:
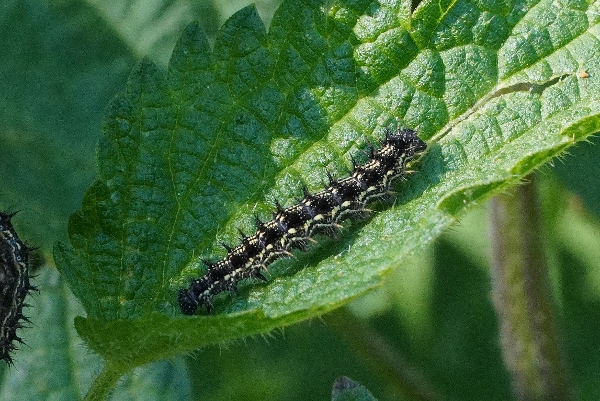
[14,285]
[294,227]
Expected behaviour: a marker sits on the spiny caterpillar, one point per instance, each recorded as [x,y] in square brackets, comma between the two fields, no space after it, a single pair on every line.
[293,227]
[14,285]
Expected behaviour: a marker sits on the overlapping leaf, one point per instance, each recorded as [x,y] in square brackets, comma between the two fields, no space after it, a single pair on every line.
[189,157]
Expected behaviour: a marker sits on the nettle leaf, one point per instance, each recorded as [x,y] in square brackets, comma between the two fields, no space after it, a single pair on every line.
[188,158]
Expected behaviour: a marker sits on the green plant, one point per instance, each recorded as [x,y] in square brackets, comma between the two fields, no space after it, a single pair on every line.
[190,154]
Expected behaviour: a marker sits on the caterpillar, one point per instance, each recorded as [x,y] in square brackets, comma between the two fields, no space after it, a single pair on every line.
[316,213]
[14,285]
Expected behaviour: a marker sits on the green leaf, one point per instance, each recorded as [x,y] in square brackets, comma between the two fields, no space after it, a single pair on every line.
[186,159]
[53,361]
[346,389]
[152,30]
[55,86]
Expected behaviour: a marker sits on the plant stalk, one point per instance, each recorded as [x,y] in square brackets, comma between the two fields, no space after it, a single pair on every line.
[103,384]
[382,356]
[522,298]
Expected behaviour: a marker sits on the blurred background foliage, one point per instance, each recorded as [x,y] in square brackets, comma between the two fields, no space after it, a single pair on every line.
[432,322]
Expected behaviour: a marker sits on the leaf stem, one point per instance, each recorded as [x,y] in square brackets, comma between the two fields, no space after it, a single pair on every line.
[522,298]
[104,383]
[382,356]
